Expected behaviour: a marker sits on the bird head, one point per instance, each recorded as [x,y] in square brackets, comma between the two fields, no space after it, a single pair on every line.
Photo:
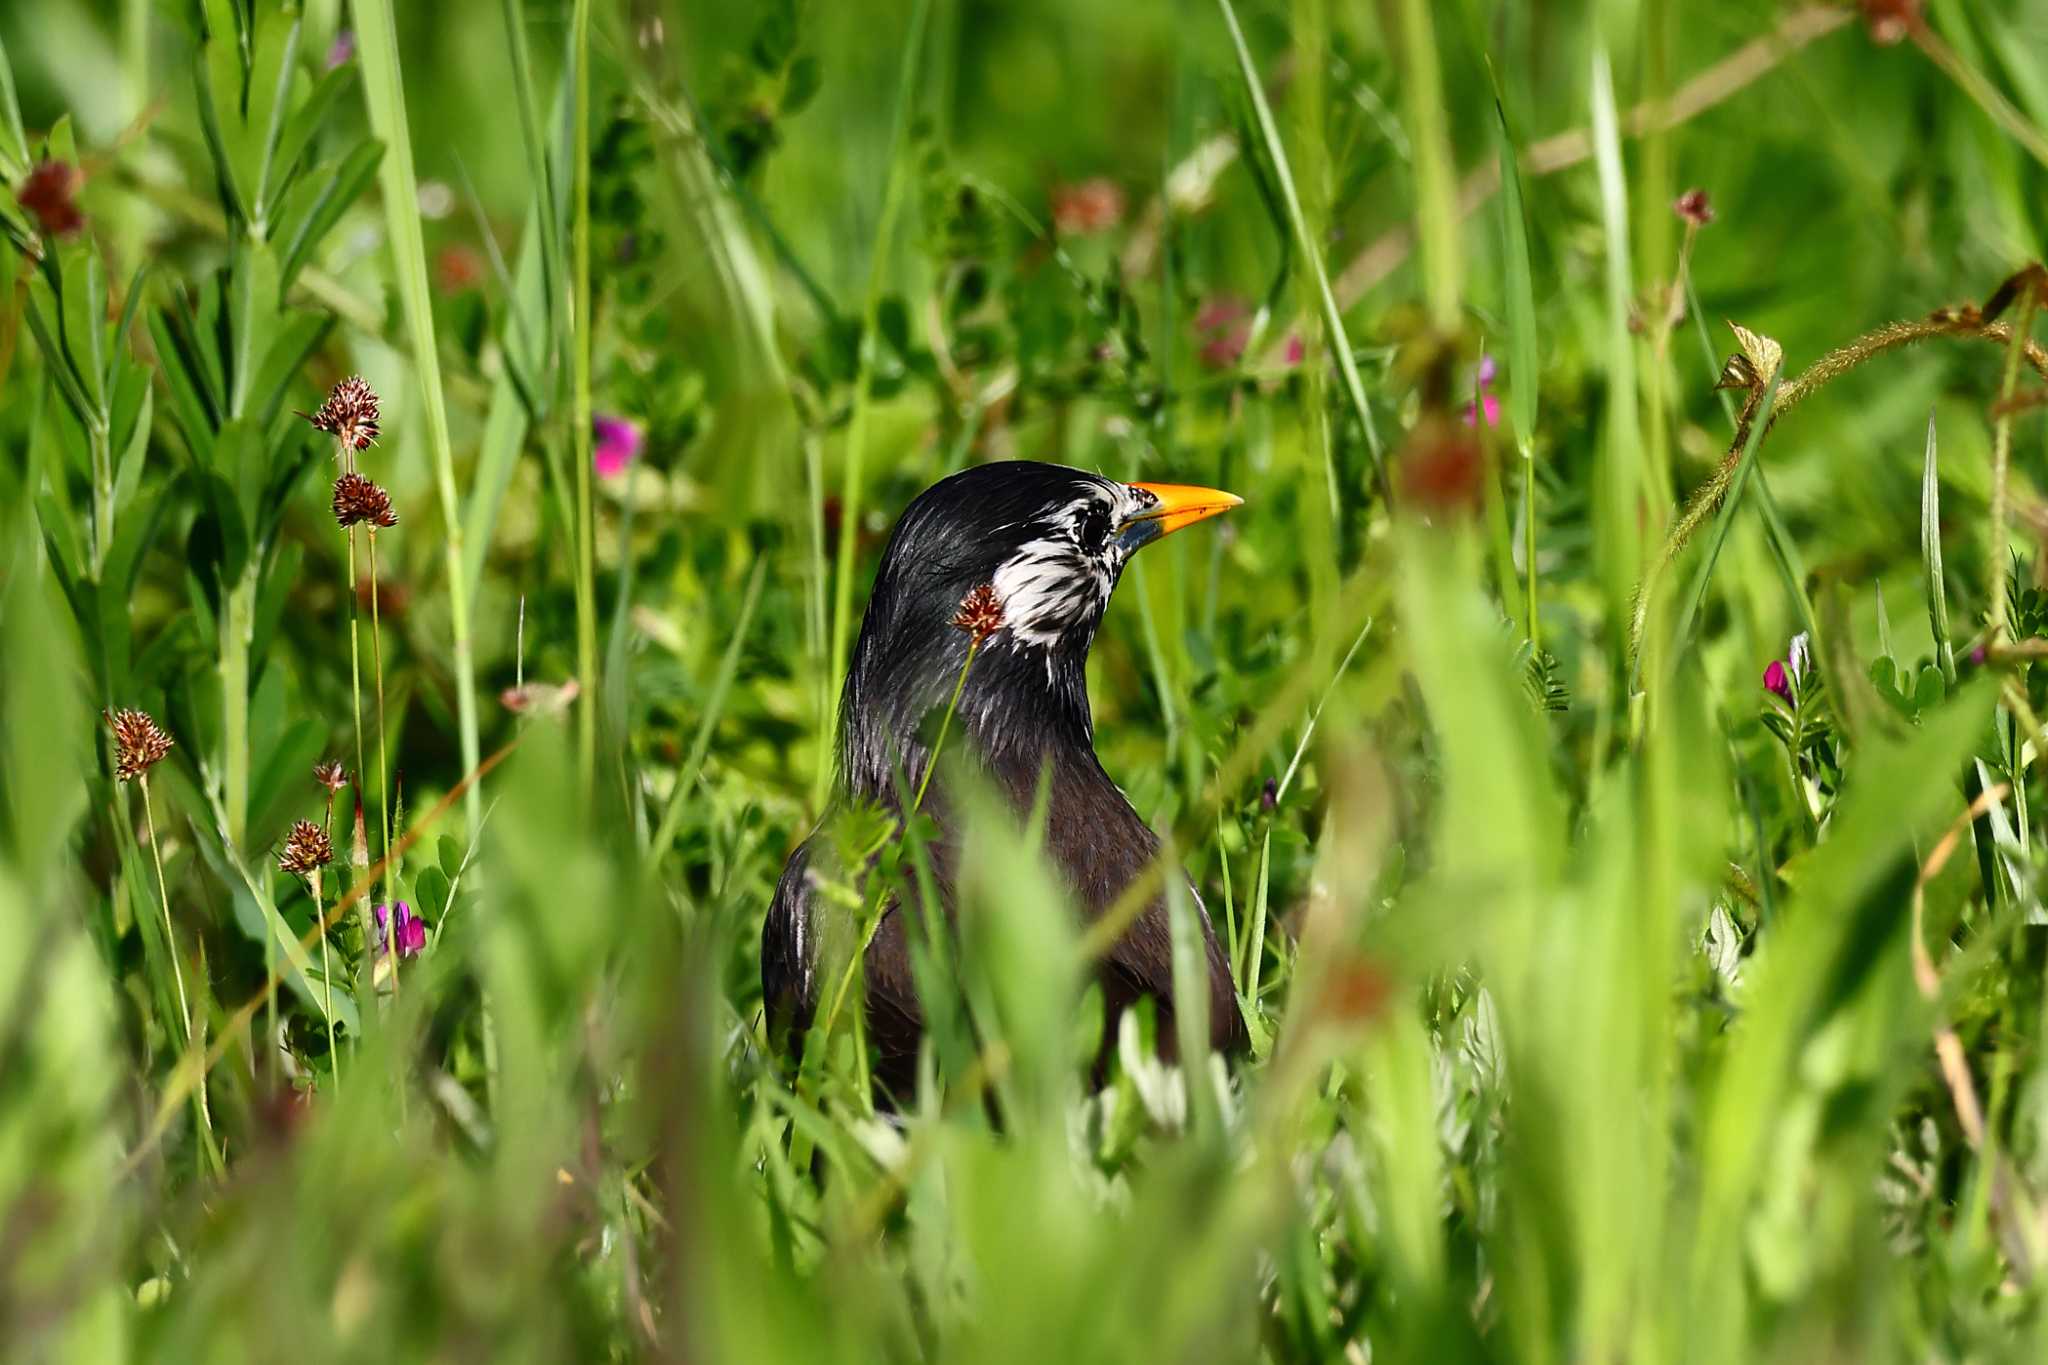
[1051,543]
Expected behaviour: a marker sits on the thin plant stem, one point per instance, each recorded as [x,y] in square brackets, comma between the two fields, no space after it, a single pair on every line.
[1529,541]
[164,899]
[863,391]
[916,804]
[580,319]
[326,968]
[200,1116]
[945,721]
[1700,506]
[1978,87]
[2001,457]
[383,772]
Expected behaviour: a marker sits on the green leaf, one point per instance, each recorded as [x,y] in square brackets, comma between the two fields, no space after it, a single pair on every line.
[304,124]
[195,417]
[273,66]
[296,337]
[1333,318]
[1520,286]
[384,98]
[430,894]
[133,407]
[801,86]
[13,139]
[1930,556]
[218,73]
[317,202]
[1723,519]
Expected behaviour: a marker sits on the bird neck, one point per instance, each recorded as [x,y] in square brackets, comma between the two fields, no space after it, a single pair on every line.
[1017,703]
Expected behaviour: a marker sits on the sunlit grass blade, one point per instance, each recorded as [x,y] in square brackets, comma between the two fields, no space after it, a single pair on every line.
[384,94]
[1934,580]
[1311,250]
[1520,301]
[852,484]
[707,724]
[1696,596]
[1620,482]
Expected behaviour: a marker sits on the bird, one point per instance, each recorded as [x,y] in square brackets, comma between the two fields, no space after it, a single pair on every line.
[1047,543]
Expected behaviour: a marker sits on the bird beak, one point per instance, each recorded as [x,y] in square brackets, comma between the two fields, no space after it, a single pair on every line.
[1179,505]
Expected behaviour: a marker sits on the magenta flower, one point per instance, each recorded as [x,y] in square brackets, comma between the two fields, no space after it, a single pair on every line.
[1786,673]
[617,444]
[412,932]
[1484,399]
[1295,350]
[1223,326]
[342,49]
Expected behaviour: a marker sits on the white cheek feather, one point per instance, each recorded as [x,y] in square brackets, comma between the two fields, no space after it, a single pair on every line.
[1046,589]
[1051,584]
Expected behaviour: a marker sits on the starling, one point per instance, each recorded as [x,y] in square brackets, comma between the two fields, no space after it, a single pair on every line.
[1017,561]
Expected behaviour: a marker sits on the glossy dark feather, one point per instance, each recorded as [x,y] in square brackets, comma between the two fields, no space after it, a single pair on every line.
[1024,712]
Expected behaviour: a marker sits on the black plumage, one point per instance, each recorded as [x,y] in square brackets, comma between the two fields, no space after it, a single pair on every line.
[1051,542]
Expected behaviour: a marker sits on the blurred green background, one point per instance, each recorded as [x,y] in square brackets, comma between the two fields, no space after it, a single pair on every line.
[1605,1005]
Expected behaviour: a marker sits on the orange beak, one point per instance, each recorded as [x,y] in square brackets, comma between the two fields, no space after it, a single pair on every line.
[1179,505]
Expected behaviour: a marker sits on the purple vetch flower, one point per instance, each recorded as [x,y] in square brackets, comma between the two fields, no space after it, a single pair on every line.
[1295,350]
[617,444]
[342,49]
[1483,398]
[412,931]
[1787,673]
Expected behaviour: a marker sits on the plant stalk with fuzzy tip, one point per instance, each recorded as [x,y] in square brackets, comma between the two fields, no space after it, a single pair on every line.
[2001,447]
[1744,371]
[980,616]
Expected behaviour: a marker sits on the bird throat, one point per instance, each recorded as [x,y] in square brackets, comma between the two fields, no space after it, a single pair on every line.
[1021,704]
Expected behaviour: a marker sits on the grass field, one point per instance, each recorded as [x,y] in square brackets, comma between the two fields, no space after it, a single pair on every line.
[1605,740]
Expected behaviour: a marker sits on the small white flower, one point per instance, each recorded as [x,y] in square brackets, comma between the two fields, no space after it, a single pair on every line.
[1800,656]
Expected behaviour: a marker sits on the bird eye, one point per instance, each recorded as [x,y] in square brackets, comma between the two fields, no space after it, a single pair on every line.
[1095,529]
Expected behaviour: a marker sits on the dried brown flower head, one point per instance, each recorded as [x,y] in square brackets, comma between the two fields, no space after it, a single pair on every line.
[332,776]
[349,415]
[1441,469]
[306,850]
[540,699]
[1694,207]
[357,499]
[139,743]
[1889,21]
[980,614]
[50,192]
[1087,207]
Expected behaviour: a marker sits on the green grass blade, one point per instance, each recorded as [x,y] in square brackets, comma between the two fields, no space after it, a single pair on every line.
[581,327]
[1311,251]
[857,431]
[384,94]
[1436,210]
[1617,526]
[13,140]
[1930,556]
[1723,519]
[707,724]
